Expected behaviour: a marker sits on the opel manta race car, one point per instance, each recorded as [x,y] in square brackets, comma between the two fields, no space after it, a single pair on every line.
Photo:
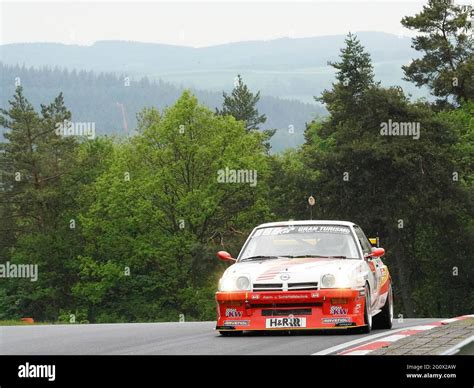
[305,275]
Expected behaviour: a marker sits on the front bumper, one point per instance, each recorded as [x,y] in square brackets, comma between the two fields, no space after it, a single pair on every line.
[290,310]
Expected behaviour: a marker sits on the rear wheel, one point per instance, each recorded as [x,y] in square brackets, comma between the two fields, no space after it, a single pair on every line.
[367,315]
[231,333]
[383,320]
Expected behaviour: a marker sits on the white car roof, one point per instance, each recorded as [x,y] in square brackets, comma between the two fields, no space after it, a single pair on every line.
[305,222]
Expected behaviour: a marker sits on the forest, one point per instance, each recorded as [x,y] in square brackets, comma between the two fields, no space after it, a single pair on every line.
[125,229]
[112,101]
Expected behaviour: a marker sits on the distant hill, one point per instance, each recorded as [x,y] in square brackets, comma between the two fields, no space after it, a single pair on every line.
[288,72]
[93,97]
[288,68]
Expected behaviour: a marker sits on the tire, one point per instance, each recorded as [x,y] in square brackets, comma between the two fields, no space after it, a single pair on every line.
[383,320]
[367,316]
[231,333]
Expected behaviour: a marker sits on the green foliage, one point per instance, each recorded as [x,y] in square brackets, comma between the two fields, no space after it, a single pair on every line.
[36,163]
[354,75]
[447,45]
[8,308]
[149,214]
[242,104]
[291,182]
[73,317]
[379,181]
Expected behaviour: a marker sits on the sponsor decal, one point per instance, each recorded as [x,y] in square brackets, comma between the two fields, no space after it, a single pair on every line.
[336,320]
[371,266]
[233,313]
[315,295]
[255,296]
[384,277]
[357,308]
[297,296]
[272,323]
[323,229]
[344,324]
[236,323]
[338,310]
[288,296]
[301,229]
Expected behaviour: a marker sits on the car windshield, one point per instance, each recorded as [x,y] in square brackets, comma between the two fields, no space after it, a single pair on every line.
[333,241]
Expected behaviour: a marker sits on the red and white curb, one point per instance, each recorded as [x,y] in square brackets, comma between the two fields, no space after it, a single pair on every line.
[398,335]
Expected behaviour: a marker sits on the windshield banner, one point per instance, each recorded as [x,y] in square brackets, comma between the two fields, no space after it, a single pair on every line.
[336,229]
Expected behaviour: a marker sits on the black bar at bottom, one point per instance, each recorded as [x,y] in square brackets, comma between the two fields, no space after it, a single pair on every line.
[137,371]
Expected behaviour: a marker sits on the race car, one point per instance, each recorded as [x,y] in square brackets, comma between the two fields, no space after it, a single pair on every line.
[299,275]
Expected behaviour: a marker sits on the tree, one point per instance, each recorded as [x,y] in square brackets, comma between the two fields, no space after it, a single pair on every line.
[364,177]
[242,104]
[446,43]
[36,156]
[161,209]
[36,161]
[400,187]
[354,75]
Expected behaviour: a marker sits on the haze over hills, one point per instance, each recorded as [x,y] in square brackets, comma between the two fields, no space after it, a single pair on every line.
[99,97]
[289,69]
[283,53]
[282,68]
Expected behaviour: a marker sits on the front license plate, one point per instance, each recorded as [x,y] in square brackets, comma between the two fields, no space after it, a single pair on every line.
[273,323]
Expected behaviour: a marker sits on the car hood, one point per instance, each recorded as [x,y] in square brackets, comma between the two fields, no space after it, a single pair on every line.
[294,270]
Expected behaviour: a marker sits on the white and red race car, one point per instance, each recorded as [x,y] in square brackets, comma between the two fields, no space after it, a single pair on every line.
[305,275]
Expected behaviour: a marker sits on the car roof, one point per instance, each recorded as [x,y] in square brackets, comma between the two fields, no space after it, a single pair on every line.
[306,222]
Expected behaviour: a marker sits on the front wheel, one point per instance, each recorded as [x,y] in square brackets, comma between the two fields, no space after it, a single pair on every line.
[367,315]
[383,320]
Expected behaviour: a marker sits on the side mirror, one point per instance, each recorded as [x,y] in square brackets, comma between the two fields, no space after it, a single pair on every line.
[224,256]
[377,252]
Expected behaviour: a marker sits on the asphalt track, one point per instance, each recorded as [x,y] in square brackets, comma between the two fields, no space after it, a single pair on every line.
[189,338]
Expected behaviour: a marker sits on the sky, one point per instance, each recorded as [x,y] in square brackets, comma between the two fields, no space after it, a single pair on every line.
[196,23]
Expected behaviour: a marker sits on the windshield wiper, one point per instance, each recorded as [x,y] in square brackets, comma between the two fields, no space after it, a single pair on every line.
[318,256]
[251,258]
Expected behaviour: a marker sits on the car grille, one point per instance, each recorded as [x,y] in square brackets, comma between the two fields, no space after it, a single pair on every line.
[259,287]
[302,286]
[268,287]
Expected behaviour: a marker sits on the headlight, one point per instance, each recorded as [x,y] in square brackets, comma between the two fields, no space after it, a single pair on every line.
[342,280]
[242,283]
[328,280]
[227,284]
